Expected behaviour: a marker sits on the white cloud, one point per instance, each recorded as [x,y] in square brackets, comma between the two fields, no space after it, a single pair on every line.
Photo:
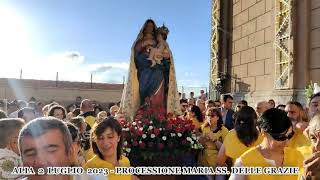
[71,65]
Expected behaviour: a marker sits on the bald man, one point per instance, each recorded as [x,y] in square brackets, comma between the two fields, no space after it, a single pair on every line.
[261,107]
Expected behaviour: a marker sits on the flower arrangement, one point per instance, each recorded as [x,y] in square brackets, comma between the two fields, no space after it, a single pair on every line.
[153,134]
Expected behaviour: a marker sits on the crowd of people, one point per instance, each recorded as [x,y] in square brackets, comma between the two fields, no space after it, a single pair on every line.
[84,134]
[268,134]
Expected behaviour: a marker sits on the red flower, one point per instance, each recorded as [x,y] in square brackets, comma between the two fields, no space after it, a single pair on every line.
[135,143]
[122,121]
[179,120]
[140,132]
[146,121]
[156,131]
[131,128]
[178,130]
[169,126]
[161,117]
[170,115]
[142,145]
[183,129]
[140,112]
[149,111]
[160,146]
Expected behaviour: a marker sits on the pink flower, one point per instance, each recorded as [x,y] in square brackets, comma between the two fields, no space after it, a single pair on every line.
[156,131]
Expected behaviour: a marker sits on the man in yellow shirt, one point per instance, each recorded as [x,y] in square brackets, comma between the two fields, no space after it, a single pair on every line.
[294,111]
[87,112]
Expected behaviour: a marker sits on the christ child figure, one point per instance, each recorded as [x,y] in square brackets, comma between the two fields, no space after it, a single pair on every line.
[156,54]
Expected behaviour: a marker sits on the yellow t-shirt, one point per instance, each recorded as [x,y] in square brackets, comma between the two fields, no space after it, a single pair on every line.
[234,148]
[306,151]
[88,154]
[208,156]
[298,139]
[253,158]
[97,162]
[90,120]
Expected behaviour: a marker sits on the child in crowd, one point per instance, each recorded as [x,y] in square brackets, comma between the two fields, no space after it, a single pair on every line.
[9,152]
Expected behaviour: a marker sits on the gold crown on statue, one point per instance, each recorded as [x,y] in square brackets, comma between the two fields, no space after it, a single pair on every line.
[163,29]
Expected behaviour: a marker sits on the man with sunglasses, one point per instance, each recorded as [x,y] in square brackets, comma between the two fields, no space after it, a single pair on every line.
[277,129]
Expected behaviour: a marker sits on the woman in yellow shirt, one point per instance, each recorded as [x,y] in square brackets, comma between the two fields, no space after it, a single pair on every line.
[106,139]
[276,129]
[196,116]
[213,134]
[244,136]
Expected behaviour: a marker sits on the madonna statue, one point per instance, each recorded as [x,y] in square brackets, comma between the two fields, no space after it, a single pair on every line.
[150,82]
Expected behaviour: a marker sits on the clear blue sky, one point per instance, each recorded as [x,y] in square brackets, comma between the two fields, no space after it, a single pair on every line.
[102,31]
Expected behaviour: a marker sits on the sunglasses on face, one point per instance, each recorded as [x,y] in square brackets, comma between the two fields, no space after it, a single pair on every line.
[280,137]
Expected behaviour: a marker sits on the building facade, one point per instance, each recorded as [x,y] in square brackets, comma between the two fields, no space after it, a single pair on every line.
[262,49]
[64,92]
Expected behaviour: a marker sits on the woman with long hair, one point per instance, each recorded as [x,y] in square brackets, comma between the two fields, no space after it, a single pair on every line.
[244,136]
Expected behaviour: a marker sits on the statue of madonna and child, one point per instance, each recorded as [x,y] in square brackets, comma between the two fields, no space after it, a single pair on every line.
[151,76]
[152,82]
